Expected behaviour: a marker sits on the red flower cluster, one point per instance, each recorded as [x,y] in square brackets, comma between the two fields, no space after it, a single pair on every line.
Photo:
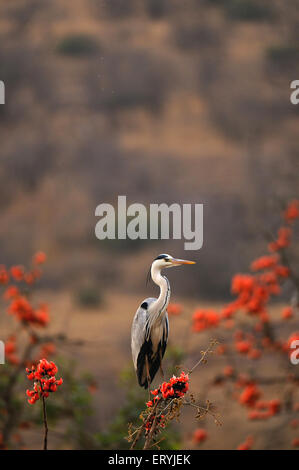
[250,395]
[254,291]
[159,420]
[10,350]
[175,388]
[204,319]
[18,274]
[24,312]
[246,344]
[45,380]
[265,409]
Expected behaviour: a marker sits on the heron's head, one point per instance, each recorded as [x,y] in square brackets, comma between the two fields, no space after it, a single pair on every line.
[168,261]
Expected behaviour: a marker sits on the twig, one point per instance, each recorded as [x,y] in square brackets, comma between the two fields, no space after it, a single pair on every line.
[204,354]
[45,424]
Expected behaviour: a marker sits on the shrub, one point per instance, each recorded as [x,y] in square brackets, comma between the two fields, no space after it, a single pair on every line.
[119,8]
[77,45]
[157,8]
[195,36]
[248,10]
[89,296]
[245,10]
[283,54]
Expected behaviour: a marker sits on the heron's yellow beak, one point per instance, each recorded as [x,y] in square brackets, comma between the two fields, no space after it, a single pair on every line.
[178,262]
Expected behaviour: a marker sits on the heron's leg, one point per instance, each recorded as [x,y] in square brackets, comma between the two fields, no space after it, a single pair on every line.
[161,369]
[148,377]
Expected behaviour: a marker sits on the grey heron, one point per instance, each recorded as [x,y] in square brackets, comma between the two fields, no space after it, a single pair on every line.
[149,333]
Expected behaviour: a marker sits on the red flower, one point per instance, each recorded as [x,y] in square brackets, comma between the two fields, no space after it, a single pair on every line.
[29,278]
[222,348]
[241,282]
[229,310]
[250,395]
[159,420]
[243,346]
[295,442]
[17,272]
[247,444]
[287,313]
[4,276]
[282,271]
[39,257]
[174,309]
[11,292]
[283,239]
[199,435]
[10,350]
[274,407]
[292,211]
[228,371]
[294,423]
[264,262]
[254,354]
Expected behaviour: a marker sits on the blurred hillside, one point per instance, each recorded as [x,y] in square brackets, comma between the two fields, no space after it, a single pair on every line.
[164,101]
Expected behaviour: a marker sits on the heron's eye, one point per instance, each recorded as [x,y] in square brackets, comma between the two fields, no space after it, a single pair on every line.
[166,259]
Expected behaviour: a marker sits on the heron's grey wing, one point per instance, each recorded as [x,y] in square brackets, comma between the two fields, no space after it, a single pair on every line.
[138,329]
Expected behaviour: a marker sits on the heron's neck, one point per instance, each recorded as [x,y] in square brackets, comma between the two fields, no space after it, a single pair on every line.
[163,283]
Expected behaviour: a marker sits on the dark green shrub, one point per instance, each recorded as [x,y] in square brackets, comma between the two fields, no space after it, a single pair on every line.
[283,54]
[245,10]
[89,296]
[77,45]
[248,10]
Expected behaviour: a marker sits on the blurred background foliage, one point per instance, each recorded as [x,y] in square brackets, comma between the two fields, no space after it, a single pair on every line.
[161,101]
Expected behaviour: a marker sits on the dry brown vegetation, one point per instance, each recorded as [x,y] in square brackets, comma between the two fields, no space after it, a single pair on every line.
[164,102]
